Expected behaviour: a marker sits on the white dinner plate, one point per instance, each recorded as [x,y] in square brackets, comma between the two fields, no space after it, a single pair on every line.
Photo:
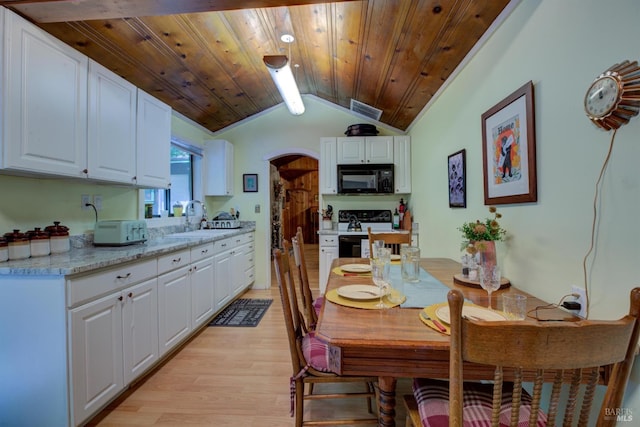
[356,268]
[395,257]
[359,292]
[471,311]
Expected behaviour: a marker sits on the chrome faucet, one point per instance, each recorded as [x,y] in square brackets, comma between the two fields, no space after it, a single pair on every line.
[189,207]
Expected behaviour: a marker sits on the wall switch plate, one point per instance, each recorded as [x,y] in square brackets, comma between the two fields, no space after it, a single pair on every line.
[84,199]
[97,202]
[582,299]
[257,209]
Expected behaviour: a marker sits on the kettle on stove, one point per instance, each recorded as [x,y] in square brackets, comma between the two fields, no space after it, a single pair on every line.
[354,224]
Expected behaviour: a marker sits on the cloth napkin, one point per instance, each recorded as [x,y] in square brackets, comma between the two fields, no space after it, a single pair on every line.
[427,291]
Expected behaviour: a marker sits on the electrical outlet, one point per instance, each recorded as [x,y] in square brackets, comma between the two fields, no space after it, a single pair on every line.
[84,199]
[97,202]
[582,299]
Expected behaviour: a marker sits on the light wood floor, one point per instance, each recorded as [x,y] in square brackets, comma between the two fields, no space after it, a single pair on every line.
[228,376]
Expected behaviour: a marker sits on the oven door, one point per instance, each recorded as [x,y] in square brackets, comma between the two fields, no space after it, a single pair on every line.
[350,246]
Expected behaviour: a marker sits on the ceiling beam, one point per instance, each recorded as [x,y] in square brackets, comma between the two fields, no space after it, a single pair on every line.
[48,11]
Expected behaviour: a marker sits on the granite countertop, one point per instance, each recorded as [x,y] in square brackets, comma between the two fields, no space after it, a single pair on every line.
[81,260]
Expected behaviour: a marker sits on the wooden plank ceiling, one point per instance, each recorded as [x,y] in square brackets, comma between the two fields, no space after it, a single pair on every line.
[204,57]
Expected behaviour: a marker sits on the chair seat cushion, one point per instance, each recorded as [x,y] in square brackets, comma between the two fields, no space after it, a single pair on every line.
[316,352]
[317,304]
[433,404]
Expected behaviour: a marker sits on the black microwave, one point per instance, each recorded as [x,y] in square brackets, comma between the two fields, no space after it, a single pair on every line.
[365,179]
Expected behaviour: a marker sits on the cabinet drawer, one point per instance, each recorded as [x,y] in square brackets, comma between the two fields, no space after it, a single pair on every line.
[329,240]
[201,252]
[91,286]
[249,258]
[250,276]
[173,260]
[223,245]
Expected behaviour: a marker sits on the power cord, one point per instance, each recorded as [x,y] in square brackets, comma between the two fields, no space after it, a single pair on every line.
[593,224]
[533,313]
[94,209]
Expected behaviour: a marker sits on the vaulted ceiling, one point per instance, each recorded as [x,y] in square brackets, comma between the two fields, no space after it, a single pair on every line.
[204,57]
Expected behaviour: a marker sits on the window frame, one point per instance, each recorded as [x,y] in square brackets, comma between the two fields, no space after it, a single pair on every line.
[197,185]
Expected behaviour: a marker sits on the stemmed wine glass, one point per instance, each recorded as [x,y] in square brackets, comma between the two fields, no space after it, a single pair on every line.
[489,278]
[380,265]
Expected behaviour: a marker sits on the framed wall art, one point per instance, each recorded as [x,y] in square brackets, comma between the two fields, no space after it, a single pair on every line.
[250,182]
[457,179]
[509,149]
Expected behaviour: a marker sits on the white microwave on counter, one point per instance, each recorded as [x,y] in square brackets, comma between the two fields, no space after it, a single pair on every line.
[365,179]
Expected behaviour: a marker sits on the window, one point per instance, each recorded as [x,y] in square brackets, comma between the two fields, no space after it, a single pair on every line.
[185,182]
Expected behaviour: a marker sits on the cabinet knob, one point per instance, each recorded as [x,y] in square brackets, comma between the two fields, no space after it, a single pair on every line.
[130,295]
[85,171]
[204,251]
[126,276]
[120,298]
[176,260]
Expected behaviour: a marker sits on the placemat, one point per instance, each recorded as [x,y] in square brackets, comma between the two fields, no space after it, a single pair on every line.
[333,296]
[339,272]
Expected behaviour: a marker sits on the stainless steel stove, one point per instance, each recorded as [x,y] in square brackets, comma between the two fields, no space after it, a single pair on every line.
[350,236]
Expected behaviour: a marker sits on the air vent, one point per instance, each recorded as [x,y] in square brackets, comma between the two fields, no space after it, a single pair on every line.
[365,110]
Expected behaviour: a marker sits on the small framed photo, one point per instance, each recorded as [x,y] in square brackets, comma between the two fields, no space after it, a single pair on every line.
[457,179]
[509,149]
[250,182]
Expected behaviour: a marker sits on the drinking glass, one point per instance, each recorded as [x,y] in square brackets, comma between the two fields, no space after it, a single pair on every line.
[380,272]
[377,244]
[489,278]
[410,264]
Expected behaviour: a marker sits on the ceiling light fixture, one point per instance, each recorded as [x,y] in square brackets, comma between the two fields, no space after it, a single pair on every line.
[278,66]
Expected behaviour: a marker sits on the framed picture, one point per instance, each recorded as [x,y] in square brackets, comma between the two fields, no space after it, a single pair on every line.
[457,179]
[509,150]
[250,182]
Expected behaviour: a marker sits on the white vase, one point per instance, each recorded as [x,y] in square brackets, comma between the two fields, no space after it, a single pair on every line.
[327,224]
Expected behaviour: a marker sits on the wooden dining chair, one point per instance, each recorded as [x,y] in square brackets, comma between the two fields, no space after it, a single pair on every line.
[579,355]
[392,240]
[311,307]
[310,357]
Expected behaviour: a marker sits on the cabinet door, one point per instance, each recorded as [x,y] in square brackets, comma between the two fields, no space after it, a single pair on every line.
[327,255]
[328,162]
[202,291]
[45,102]
[222,282]
[140,328]
[111,147]
[218,157]
[174,308]
[402,164]
[379,149]
[351,150]
[96,354]
[153,142]
[239,265]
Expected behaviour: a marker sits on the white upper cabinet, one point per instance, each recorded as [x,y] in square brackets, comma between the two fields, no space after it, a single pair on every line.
[328,162]
[44,102]
[153,152]
[111,147]
[218,157]
[402,164]
[370,149]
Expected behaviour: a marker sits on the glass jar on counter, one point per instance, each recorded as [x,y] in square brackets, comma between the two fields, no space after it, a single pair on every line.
[4,249]
[18,244]
[58,237]
[39,242]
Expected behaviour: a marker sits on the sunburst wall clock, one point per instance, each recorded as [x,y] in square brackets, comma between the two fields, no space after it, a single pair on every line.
[614,96]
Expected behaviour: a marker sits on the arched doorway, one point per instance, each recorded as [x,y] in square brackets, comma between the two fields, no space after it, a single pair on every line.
[294,199]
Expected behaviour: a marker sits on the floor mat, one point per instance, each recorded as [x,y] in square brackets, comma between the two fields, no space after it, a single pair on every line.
[242,312]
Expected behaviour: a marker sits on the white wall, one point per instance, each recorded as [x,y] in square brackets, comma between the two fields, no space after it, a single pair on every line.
[561,46]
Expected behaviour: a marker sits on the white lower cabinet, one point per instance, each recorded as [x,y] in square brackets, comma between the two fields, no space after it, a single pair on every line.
[113,338]
[202,284]
[223,272]
[174,299]
[328,249]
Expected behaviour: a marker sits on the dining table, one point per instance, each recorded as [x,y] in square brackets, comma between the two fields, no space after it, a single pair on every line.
[395,342]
